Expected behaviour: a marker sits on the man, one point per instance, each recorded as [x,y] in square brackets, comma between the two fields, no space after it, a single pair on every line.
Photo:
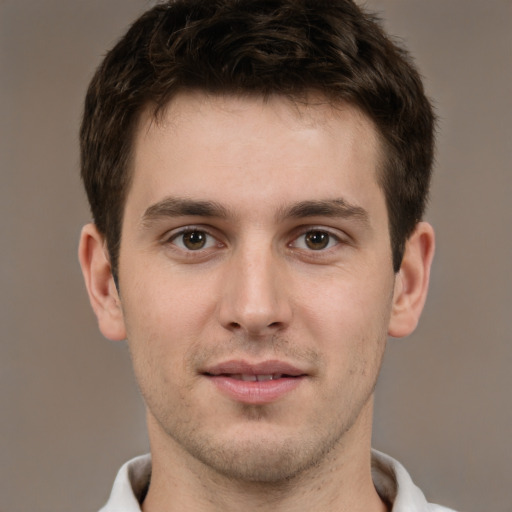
[257,171]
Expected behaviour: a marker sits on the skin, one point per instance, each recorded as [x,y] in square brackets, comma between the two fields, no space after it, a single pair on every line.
[277,279]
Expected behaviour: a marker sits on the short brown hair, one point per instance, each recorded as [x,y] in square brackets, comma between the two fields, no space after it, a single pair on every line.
[286,47]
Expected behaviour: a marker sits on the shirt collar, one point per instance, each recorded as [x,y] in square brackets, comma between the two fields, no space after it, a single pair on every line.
[390,478]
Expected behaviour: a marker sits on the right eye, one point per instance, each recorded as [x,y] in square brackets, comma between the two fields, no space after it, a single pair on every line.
[193,240]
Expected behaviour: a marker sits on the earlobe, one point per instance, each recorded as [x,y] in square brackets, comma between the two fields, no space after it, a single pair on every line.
[99,282]
[411,282]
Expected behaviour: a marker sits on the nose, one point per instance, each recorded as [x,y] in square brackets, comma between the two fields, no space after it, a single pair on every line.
[254,296]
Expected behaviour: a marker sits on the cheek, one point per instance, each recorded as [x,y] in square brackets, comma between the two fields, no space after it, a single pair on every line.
[167,304]
[347,300]
[164,320]
[347,318]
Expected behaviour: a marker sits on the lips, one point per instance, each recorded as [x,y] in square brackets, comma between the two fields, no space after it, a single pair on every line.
[255,383]
[273,368]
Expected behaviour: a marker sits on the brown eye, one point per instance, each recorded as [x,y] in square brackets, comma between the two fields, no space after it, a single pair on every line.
[194,240]
[190,239]
[317,240]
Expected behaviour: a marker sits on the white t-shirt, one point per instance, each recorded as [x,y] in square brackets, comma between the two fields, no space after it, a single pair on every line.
[391,480]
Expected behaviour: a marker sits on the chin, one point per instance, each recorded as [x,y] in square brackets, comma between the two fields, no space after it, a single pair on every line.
[264,460]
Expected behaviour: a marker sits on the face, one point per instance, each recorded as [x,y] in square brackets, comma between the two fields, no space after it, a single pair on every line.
[256,281]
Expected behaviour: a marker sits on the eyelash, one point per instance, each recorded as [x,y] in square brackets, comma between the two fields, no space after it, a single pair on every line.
[188,231]
[332,239]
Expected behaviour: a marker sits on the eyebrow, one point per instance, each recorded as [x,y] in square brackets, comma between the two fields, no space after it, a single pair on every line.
[325,208]
[181,207]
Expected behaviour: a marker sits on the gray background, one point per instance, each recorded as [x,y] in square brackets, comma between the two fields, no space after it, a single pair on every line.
[70,413]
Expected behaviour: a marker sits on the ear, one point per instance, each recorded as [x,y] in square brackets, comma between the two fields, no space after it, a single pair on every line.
[99,281]
[411,281]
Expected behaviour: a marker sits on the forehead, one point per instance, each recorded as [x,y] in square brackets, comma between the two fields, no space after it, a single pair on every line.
[221,147]
[309,111]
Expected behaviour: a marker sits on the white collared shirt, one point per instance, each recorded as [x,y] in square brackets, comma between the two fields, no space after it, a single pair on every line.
[391,480]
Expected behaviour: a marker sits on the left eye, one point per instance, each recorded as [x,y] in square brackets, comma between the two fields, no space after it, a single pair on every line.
[315,240]
[193,240]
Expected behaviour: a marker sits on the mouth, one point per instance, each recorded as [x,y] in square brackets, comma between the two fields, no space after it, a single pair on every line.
[257,378]
[258,383]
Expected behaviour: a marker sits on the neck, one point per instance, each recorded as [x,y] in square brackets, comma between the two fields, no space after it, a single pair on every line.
[341,481]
